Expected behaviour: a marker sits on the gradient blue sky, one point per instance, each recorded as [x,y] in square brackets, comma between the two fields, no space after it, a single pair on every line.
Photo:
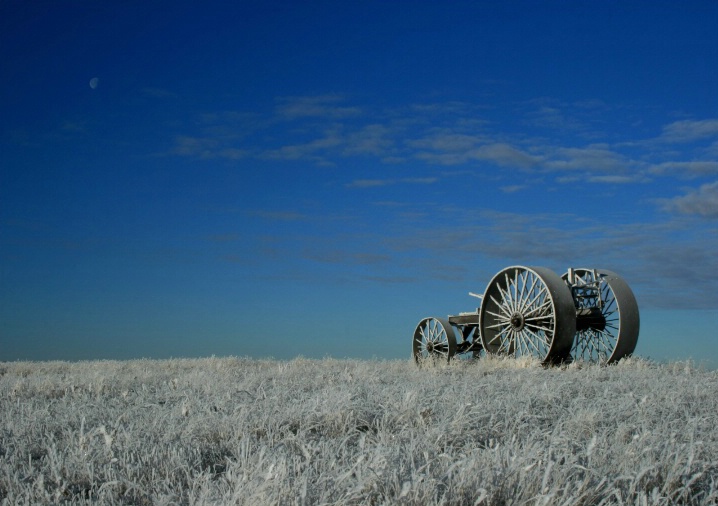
[282,178]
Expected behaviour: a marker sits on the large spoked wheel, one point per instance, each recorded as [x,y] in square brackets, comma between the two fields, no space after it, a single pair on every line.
[607,320]
[434,339]
[528,311]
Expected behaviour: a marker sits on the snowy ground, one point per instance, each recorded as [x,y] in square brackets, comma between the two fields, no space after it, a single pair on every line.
[242,431]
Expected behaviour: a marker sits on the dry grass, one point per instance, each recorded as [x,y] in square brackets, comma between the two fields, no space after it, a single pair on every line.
[241,431]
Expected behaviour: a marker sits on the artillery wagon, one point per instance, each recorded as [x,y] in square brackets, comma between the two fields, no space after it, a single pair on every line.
[585,314]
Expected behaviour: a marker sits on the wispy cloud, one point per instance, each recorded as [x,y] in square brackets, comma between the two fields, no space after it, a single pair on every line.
[419,180]
[512,188]
[346,257]
[323,106]
[278,215]
[616,179]
[373,183]
[327,129]
[656,259]
[592,158]
[689,169]
[371,140]
[456,149]
[701,202]
[315,149]
[449,142]
[690,130]
[580,119]
[199,147]
[224,238]
[207,148]
[555,119]
[504,155]
[369,183]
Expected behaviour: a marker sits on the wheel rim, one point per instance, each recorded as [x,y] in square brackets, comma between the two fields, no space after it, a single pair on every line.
[528,312]
[619,310]
[434,339]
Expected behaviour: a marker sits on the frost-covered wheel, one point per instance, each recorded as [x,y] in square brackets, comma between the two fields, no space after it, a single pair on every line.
[528,311]
[434,338]
[607,318]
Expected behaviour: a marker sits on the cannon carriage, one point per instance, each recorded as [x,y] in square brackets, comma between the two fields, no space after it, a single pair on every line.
[585,314]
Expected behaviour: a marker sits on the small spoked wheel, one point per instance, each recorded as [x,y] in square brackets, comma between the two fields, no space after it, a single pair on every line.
[434,339]
[528,311]
[607,318]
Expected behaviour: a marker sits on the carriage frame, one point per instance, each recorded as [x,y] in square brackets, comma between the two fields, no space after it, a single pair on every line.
[586,314]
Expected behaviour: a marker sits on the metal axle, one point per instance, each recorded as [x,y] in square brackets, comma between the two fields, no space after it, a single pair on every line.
[590,318]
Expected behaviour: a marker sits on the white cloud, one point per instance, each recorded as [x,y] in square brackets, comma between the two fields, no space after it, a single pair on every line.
[373,183]
[449,142]
[512,188]
[374,139]
[313,149]
[702,202]
[554,118]
[325,129]
[616,179]
[444,234]
[323,106]
[369,183]
[656,258]
[233,153]
[685,169]
[505,155]
[345,257]
[199,147]
[690,130]
[594,158]
[278,215]
[456,148]
[419,180]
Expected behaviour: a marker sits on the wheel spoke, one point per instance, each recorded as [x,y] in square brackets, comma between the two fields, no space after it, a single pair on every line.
[608,340]
[511,300]
[548,330]
[524,303]
[609,304]
[500,306]
[506,296]
[498,326]
[518,285]
[535,298]
[498,316]
[538,338]
[509,341]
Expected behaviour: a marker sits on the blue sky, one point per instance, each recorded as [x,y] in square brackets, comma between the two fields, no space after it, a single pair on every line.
[285,178]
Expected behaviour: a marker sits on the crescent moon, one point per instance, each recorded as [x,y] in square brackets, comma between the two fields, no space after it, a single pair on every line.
[94,82]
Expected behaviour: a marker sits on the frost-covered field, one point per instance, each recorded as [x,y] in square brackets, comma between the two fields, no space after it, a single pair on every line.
[241,431]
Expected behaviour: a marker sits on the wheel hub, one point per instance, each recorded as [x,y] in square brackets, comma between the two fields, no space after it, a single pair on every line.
[517,321]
